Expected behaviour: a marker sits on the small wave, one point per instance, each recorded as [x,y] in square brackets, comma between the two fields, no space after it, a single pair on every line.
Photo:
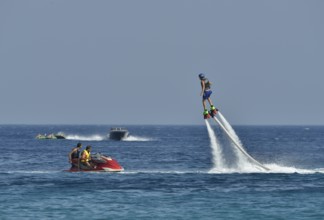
[163,172]
[274,169]
[136,138]
[32,172]
[86,138]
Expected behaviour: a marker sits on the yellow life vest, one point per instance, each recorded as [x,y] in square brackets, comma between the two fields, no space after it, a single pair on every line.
[87,157]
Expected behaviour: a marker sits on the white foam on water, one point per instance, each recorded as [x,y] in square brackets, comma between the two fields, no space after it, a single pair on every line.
[273,168]
[97,137]
[94,137]
[277,168]
[248,168]
[136,138]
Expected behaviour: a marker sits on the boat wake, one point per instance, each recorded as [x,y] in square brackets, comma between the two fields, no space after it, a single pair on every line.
[137,138]
[87,138]
[97,137]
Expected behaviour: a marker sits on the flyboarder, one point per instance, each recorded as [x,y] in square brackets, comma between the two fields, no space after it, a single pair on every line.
[205,93]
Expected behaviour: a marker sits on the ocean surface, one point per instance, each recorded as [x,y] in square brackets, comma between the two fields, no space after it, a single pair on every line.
[171,172]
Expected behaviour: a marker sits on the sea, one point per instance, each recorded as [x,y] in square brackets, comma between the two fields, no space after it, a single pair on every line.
[170,172]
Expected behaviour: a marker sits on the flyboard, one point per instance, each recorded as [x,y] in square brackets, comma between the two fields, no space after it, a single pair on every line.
[237,145]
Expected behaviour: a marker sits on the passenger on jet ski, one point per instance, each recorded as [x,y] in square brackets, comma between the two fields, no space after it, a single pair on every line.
[74,155]
[85,161]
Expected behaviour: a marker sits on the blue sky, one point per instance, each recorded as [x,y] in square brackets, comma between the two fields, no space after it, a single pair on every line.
[137,62]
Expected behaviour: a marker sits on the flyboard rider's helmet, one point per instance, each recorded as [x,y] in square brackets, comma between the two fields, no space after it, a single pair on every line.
[202,76]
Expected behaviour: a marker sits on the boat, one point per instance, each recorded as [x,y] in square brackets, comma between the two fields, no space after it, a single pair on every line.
[118,133]
[102,163]
[51,136]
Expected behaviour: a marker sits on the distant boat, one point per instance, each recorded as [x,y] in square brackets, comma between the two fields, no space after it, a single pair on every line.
[118,133]
[51,136]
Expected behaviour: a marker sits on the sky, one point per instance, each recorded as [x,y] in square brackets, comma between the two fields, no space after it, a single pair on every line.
[137,62]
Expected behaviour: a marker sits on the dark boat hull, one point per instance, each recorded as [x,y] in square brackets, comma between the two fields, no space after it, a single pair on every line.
[60,137]
[118,134]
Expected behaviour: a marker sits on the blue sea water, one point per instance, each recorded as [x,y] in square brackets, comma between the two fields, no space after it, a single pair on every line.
[168,174]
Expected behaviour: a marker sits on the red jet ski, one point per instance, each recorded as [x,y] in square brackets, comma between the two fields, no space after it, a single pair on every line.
[100,163]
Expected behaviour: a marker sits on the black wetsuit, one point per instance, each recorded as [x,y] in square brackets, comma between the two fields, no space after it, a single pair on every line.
[75,155]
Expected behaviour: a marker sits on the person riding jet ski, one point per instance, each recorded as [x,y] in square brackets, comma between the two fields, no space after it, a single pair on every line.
[85,161]
[74,155]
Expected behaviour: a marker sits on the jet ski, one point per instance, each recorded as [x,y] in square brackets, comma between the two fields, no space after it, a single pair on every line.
[100,162]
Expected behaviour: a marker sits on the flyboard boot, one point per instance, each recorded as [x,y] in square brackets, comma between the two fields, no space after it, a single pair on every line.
[206,114]
[213,111]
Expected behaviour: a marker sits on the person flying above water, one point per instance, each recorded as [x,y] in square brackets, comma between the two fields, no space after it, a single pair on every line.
[205,93]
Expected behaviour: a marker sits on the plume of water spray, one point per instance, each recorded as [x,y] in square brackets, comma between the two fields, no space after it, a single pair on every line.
[218,159]
[242,159]
[229,128]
